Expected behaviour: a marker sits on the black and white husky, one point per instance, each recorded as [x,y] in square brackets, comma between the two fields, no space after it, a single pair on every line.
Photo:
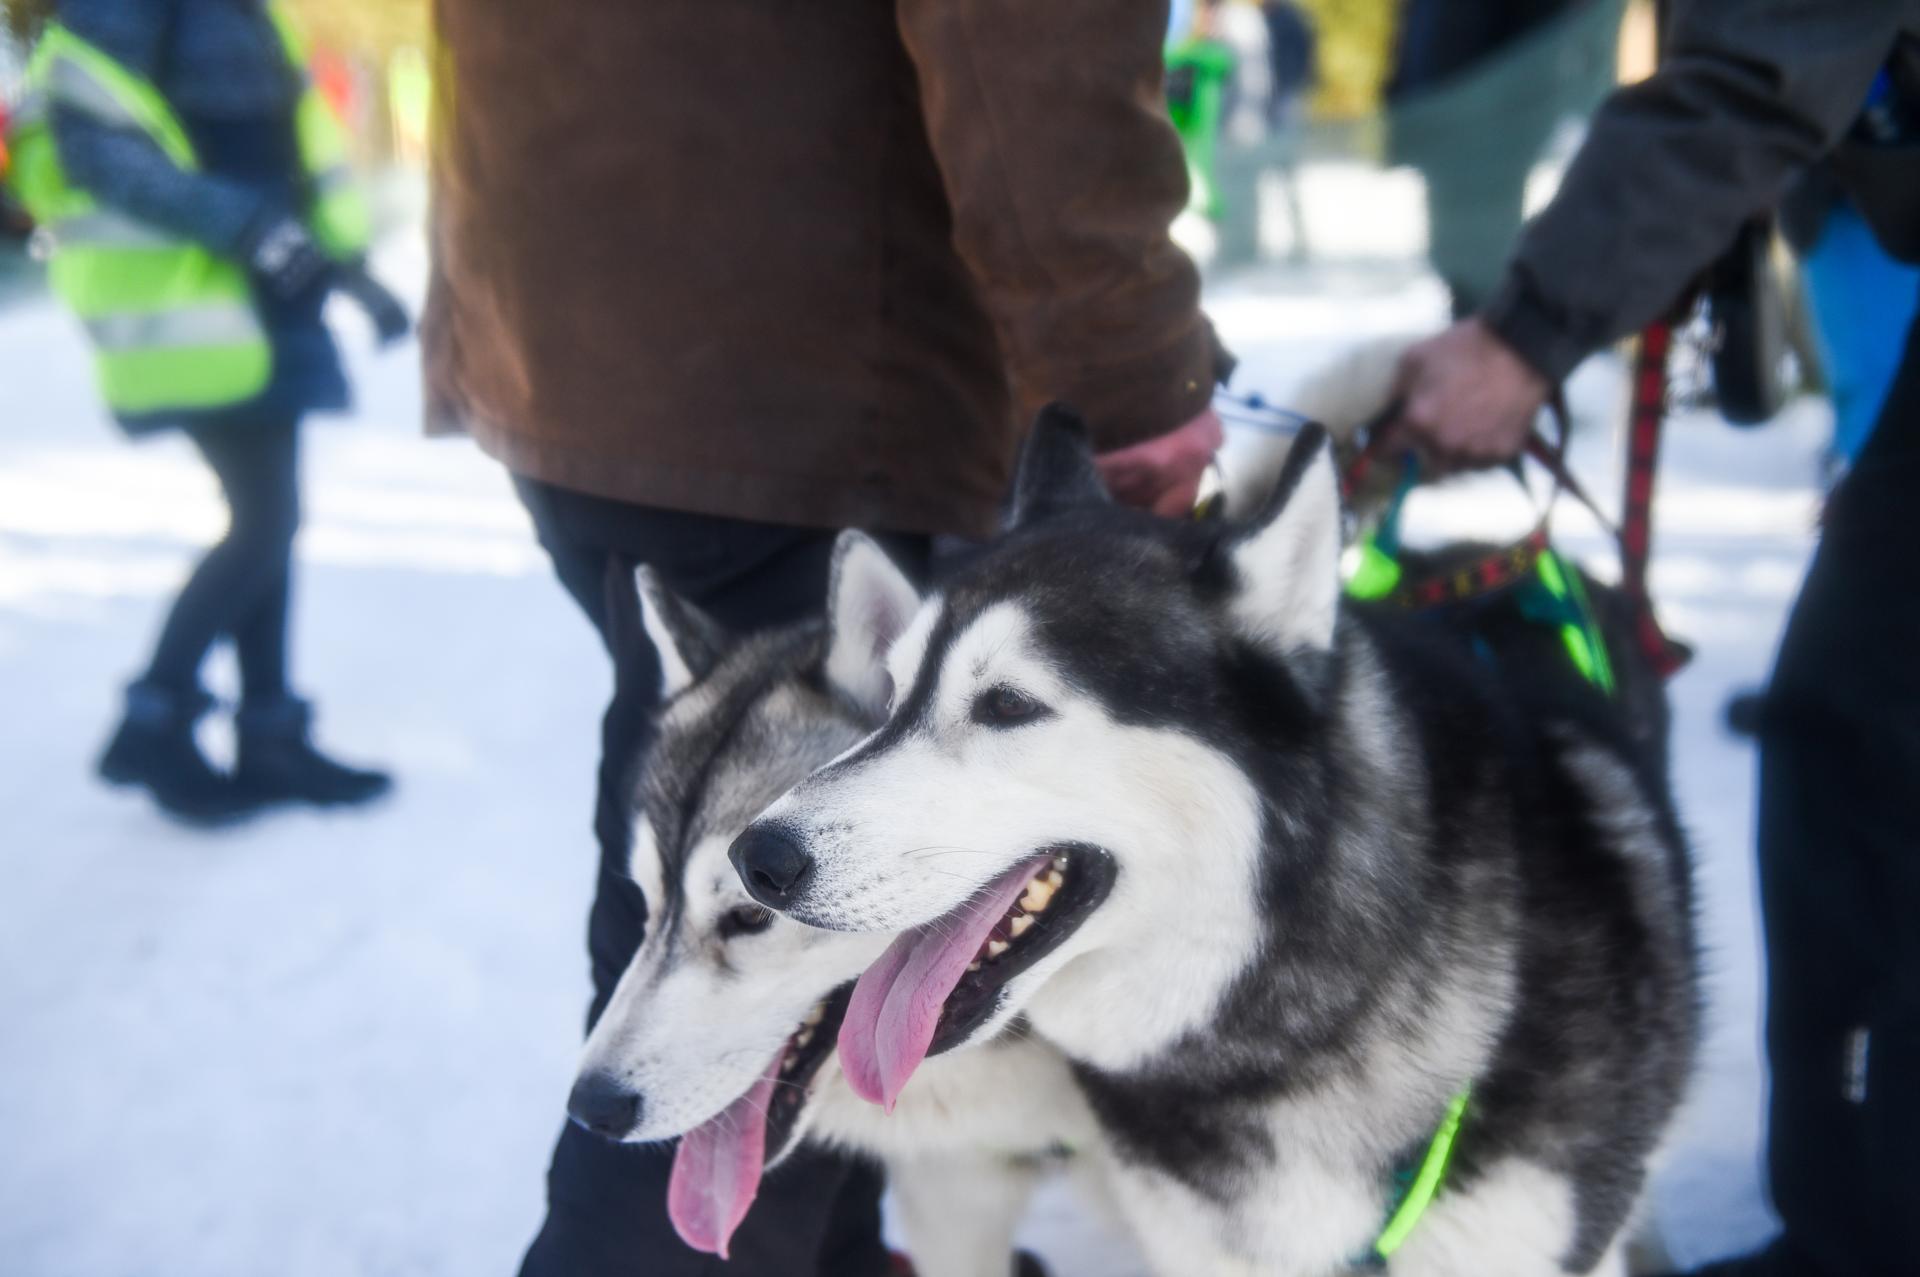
[722,1028]
[1287,880]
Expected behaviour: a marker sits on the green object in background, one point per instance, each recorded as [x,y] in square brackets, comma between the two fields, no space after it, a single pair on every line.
[1198,69]
[174,327]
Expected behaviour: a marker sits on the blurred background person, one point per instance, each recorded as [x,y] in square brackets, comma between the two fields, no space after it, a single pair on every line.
[1476,187]
[194,188]
[15,224]
[1747,98]
[1291,56]
[1202,70]
[792,275]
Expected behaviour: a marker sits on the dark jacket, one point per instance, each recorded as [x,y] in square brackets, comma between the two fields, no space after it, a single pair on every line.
[222,68]
[1747,97]
[805,263]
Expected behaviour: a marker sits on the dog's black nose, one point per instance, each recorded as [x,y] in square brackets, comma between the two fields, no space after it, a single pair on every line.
[771,864]
[601,1105]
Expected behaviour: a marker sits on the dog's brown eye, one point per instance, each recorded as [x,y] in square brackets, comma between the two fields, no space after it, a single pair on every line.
[744,920]
[1004,706]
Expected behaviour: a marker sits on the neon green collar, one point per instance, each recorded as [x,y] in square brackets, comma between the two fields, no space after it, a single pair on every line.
[1431,1173]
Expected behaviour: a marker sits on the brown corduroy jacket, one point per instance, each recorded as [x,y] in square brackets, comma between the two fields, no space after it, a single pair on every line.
[812,262]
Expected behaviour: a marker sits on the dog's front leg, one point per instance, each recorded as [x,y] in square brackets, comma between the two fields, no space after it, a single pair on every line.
[960,1210]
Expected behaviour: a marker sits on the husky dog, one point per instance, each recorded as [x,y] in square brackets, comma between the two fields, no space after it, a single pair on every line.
[1292,882]
[722,1028]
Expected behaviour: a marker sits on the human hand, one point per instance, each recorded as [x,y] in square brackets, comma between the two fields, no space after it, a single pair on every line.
[388,316]
[1466,399]
[286,259]
[1163,474]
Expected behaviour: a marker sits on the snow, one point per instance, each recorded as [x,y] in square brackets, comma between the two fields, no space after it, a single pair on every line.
[340,1044]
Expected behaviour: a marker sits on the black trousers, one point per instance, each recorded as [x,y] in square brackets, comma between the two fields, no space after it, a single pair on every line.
[242,587]
[816,1216]
[1840,871]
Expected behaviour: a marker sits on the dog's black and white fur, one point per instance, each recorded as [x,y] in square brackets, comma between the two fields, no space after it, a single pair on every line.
[1343,869]
[720,984]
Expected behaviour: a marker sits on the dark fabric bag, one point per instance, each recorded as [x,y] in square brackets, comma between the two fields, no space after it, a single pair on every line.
[1749,311]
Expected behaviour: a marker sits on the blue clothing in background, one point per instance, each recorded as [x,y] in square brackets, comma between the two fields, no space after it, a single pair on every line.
[1863,303]
[220,64]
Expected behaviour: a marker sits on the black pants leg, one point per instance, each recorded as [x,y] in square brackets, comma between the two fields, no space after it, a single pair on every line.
[816,1216]
[260,642]
[1840,872]
[240,587]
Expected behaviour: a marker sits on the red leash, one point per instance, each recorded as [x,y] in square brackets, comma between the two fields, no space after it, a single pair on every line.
[1644,424]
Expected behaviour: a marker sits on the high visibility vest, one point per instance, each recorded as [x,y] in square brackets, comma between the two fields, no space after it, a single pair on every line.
[174,326]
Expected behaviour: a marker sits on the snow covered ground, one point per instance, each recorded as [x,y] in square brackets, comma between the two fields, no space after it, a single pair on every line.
[326,1045]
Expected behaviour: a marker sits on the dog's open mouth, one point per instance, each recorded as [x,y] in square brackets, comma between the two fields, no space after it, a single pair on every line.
[938,983]
[717,1168]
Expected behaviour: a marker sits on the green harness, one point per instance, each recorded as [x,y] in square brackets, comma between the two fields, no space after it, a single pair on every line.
[1419,1184]
[1545,587]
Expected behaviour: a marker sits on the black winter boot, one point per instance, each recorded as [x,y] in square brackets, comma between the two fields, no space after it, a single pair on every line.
[279,764]
[154,748]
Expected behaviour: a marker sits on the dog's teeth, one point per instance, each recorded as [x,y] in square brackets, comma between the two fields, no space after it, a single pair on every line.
[816,1015]
[1060,861]
[1054,878]
[806,1036]
[995,948]
[1038,895]
[974,965]
[1021,925]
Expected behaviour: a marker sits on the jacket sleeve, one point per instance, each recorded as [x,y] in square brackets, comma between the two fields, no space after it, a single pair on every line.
[120,166]
[1747,96]
[1049,126]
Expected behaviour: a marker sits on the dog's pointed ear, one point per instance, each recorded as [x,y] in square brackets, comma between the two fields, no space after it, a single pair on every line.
[688,642]
[869,601]
[1287,562]
[1056,469]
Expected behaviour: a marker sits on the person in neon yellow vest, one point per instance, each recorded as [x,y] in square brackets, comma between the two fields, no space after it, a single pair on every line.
[194,189]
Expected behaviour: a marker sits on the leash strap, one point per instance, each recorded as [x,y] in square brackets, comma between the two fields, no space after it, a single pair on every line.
[1648,418]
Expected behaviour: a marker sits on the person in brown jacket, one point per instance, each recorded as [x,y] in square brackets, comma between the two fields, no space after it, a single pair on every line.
[714,281]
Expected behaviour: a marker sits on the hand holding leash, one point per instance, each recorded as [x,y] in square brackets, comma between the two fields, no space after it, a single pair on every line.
[1467,399]
[1164,474]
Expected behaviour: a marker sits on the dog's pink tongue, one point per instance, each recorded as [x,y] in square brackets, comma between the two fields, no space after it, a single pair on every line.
[716,1170]
[895,1007]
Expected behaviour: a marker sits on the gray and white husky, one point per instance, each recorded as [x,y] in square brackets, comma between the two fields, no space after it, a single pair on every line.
[722,1028]
[1288,880]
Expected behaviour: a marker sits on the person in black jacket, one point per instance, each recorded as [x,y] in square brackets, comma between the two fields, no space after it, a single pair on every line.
[224,69]
[1749,96]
